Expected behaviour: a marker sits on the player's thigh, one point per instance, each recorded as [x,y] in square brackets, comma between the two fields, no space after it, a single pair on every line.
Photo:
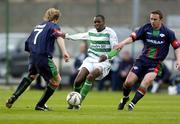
[152,70]
[103,67]
[138,69]
[131,79]
[148,79]
[87,64]
[32,71]
[49,71]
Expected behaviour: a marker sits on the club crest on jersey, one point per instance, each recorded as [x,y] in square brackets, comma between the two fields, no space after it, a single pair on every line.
[162,35]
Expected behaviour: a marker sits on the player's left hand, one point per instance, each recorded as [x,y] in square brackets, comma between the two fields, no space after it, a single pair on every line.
[102,58]
[66,57]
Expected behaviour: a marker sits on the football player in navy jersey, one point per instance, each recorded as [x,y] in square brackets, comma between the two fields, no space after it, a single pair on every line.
[40,45]
[156,38]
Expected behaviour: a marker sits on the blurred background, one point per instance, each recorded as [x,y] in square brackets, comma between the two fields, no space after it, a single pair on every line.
[18,17]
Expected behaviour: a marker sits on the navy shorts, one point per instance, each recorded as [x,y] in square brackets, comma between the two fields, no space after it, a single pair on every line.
[142,67]
[43,65]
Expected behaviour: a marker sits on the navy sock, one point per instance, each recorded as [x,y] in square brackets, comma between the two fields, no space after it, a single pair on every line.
[47,94]
[22,86]
[126,91]
[139,94]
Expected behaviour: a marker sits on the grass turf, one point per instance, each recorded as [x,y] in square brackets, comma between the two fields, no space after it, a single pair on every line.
[98,108]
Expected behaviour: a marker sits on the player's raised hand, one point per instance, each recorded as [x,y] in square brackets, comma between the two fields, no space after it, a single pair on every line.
[102,58]
[66,57]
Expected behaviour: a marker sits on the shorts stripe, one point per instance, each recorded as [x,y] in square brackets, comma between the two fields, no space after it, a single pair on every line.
[52,68]
[156,70]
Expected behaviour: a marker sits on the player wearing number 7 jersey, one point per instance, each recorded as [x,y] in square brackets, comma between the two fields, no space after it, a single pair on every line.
[40,45]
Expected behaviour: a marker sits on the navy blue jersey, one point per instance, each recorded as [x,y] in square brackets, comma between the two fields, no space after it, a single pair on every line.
[42,38]
[156,42]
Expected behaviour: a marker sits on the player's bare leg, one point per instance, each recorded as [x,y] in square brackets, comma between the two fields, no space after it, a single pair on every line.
[146,82]
[129,82]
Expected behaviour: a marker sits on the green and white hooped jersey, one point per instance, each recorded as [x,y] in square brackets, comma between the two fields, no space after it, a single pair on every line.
[100,43]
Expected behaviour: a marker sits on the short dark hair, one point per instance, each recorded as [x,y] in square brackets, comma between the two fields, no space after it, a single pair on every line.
[158,12]
[101,16]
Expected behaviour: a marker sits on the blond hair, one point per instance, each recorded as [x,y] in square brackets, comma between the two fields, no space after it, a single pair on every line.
[51,14]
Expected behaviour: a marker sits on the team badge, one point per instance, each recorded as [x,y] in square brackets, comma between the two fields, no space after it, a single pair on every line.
[162,35]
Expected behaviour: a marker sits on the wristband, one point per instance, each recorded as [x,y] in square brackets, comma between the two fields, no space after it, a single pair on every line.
[112,53]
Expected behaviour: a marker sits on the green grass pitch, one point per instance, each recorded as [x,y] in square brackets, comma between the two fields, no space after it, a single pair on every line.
[98,108]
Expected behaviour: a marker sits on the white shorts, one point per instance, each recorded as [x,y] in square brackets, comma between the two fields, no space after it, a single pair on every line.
[90,65]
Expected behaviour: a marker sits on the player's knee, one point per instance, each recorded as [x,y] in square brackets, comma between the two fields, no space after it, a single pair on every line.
[55,82]
[32,77]
[146,83]
[90,77]
[128,84]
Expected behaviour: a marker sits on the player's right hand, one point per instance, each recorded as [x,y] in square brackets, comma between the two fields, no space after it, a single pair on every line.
[102,58]
[66,57]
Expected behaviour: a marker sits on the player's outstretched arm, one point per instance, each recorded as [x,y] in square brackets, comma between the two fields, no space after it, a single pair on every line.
[61,44]
[110,55]
[79,36]
[115,50]
[121,44]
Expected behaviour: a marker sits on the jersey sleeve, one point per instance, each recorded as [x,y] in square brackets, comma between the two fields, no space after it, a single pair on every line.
[174,42]
[138,34]
[79,36]
[56,31]
[113,38]
[113,41]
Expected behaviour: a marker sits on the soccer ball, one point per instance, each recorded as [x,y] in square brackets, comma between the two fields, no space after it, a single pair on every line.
[73,98]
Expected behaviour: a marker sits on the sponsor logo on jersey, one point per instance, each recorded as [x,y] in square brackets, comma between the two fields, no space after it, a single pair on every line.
[154,41]
[151,69]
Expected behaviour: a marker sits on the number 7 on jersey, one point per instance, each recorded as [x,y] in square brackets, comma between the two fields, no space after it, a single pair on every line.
[38,32]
